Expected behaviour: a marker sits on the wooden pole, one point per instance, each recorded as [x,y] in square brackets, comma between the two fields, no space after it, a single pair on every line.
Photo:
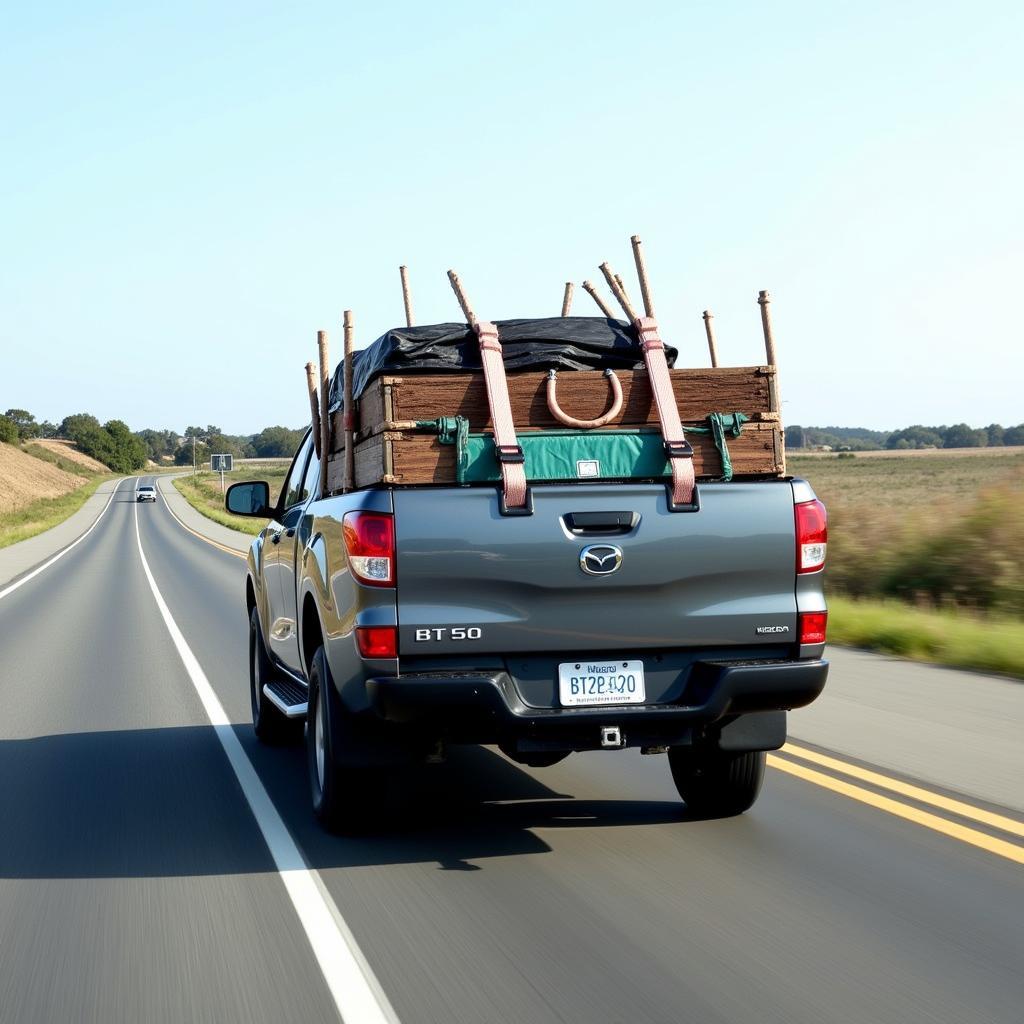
[325,418]
[467,309]
[641,272]
[619,294]
[774,398]
[349,409]
[589,288]
[622,285]
[314,407]
[710,331]
[567,298]
[763,300]
[406,297]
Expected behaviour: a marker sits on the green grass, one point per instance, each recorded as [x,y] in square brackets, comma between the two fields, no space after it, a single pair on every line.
[46,513]
[203,493]
[949,637]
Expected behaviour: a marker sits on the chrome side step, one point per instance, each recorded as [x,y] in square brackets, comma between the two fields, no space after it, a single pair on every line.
[288,697]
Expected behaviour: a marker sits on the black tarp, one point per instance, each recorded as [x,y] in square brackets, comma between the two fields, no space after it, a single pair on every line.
[559,343]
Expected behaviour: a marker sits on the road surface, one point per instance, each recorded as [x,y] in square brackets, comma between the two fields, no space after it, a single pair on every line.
[136,883]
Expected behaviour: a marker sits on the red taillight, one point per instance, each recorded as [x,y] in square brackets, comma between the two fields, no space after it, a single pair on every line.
[811,536]
[377,641]
[370,542]
[812,627]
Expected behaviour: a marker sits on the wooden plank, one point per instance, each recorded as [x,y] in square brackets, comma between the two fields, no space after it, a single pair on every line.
[411,458]
[582,393]
[370,461]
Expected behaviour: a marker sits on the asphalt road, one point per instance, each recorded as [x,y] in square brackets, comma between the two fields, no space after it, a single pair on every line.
[135,884]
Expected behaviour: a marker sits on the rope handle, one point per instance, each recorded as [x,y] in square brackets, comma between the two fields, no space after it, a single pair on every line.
[570,421]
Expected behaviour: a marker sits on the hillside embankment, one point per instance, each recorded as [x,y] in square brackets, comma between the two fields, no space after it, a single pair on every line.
[42,485]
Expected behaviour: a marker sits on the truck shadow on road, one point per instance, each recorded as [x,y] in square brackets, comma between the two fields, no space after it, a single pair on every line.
[164,802]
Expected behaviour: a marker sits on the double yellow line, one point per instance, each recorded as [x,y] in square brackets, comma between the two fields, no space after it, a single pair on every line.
[791,764]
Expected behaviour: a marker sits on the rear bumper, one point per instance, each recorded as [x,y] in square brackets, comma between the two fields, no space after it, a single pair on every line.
[486,707]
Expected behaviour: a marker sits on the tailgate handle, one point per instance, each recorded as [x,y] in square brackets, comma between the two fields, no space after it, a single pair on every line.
[600,523]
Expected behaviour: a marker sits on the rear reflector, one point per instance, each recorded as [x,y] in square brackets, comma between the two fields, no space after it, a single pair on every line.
[370,542]
[812,627]
[811,536]
[377,641]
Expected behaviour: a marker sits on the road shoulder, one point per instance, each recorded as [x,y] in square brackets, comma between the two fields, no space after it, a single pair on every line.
[954,729]
[195,521]
[20,558]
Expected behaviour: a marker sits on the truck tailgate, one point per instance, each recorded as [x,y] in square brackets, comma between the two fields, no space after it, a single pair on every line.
[472,581]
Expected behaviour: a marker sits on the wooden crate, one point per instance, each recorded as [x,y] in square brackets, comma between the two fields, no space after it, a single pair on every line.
[582,393]
[388,451]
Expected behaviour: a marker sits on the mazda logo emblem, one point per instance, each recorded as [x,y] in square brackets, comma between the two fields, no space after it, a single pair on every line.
[600,559]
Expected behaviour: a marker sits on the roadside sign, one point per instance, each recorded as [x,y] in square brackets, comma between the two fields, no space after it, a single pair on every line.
[221,464]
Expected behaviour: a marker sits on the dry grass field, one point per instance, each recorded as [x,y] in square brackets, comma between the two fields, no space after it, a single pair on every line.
[938,534]
[67,450]
[25,479]
[40,487]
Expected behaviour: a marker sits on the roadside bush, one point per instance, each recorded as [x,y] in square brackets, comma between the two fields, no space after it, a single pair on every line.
[975,561]
[8,431]
[936,557]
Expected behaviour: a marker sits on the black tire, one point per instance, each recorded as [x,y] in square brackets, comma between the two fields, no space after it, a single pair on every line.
[347,795]
[270,726]
[715,784]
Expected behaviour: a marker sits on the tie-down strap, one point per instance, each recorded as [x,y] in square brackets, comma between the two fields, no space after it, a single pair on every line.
[506,445]
[677,448]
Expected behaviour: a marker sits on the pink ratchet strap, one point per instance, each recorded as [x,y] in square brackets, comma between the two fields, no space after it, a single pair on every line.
[677,448]
[515,497]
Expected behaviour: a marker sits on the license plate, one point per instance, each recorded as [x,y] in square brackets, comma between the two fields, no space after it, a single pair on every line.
[600,682]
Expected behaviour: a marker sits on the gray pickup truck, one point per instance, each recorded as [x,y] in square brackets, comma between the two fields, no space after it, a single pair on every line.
[400,620]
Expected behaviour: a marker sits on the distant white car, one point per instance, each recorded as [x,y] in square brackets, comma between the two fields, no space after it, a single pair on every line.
[144,492]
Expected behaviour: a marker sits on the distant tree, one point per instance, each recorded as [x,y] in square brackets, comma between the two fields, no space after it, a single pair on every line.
[8,430]
[1014,435]
[276,442]
[25,422]
[48,429]
[795,437]
[960,435]
[183,455]
[915,437]
[127,453]
[995,434]
[70,426]
[160,444]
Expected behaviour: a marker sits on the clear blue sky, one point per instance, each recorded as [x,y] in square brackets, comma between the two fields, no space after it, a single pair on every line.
[188,191]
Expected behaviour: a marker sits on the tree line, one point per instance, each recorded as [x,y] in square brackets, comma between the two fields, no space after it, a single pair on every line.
[959,435]
[124,451]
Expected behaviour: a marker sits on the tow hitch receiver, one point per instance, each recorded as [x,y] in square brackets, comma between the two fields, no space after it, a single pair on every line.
[612,738]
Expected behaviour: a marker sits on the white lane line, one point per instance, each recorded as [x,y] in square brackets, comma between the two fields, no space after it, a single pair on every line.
[357,994]
[60,554]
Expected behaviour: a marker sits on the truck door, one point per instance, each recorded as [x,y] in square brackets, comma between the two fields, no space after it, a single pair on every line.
[279,561]
[296,532]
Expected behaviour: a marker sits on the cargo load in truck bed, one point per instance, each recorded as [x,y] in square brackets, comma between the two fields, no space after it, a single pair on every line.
[411,381]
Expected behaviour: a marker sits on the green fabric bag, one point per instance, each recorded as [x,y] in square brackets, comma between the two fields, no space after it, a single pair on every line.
[621,454]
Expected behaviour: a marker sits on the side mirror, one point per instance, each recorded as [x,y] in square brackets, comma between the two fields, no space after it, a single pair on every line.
[251,498]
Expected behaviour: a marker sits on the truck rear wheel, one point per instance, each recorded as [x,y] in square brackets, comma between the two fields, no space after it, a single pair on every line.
[717,783]
[268,723]
[346,796]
